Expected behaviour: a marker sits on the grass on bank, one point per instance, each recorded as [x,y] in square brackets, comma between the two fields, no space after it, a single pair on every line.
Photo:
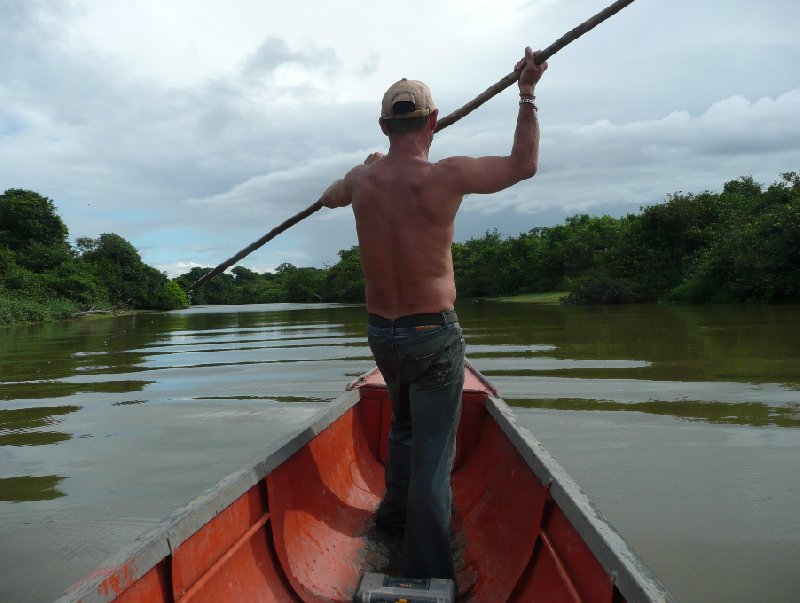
[20,309]
[551,297]
[15,309]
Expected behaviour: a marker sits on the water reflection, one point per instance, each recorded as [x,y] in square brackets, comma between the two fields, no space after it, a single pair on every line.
[30,488]
[754,344]
[748,413]
[17,427]
[42,390]
[722,365]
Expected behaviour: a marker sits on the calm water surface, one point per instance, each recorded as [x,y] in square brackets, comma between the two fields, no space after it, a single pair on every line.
[681,424]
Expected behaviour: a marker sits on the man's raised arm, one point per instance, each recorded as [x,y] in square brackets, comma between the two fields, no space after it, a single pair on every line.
[493,174]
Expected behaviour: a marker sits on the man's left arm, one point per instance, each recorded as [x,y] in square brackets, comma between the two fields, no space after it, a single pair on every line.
[337,194]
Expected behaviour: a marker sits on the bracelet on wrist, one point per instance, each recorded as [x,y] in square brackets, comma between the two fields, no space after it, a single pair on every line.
[529,101]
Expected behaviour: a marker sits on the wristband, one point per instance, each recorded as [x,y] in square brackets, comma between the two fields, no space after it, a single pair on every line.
[529,101]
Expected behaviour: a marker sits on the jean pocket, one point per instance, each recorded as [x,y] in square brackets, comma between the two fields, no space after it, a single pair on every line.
[435,369]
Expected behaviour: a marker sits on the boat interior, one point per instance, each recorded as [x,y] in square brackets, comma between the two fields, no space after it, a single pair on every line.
[305,531]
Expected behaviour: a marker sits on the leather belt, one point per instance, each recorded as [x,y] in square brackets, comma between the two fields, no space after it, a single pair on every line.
[413,320]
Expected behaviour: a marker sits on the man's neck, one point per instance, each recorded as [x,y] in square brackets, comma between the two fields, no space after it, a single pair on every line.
[409,146]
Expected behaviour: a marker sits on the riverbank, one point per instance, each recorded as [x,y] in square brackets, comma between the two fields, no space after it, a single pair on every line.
[18,310]
[550,297]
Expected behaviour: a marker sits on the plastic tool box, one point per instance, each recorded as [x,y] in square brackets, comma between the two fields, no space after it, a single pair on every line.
[380,588]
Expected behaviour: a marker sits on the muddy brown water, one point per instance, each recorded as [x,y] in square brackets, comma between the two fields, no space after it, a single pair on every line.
[682,424]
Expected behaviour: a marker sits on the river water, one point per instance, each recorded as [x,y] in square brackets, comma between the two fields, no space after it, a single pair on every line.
[682,424]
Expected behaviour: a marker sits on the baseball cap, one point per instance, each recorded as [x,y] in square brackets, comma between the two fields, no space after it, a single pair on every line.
[407,90]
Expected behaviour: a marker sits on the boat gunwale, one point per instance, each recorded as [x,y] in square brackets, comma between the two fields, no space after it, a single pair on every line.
[630,574]
[135,559]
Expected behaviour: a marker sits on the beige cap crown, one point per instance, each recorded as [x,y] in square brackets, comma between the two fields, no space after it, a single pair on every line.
[409,91]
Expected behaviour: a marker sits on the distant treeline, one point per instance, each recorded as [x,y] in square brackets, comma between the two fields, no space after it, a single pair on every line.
[740,245]
[42,277]
[342,282]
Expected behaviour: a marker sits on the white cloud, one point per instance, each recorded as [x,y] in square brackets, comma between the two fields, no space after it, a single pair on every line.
[177,268]
[193,127]
[640,162]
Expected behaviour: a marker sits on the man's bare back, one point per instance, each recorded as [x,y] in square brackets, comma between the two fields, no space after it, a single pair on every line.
[405,208]
[404,218]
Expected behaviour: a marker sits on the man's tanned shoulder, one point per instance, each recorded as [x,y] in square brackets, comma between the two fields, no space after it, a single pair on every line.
[340,192]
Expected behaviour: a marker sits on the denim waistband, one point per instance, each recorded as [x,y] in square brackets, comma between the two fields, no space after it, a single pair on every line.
[413,320]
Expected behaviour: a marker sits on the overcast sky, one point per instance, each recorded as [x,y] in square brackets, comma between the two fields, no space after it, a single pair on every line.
[191,127]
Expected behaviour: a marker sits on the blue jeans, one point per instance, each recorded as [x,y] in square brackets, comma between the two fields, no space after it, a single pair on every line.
[424,373]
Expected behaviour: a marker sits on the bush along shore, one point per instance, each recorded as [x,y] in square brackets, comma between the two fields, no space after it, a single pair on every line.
[43,277]
[740,245]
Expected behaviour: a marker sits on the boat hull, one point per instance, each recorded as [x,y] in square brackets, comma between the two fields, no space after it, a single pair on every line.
[298,525]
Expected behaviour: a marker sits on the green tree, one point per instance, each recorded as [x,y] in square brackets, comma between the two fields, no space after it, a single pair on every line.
[301,284]
[477,264]
[753,253]
[32,229]
[245,286]
[77,281]
[127,279]
[118,262]
[218,290]
[344,281]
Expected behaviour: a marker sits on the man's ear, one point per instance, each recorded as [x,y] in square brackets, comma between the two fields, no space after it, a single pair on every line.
[433,118]
[382,124]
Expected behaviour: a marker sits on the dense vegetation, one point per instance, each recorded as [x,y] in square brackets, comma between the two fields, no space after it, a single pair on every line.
[739,245]
[342,282]
[43,277]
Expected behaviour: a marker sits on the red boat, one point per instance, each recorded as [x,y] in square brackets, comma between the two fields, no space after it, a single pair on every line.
[297,526]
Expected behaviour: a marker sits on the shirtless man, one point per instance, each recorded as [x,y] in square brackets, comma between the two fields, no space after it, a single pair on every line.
[405,209]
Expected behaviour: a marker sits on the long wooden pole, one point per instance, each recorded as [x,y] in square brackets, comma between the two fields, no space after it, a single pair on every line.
[449,120]
[512,77]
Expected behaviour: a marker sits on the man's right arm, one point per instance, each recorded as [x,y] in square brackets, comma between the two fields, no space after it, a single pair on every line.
[493,174]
